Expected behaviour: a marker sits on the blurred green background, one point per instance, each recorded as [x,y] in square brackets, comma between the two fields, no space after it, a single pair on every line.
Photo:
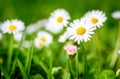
[30,11]
[34,10]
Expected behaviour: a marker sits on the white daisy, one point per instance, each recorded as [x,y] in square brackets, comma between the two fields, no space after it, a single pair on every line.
[26,44]
[118,51]
[96,17]
[12,26]
[34,27]
[0,35]
[58,19]
[18,36]
[116,15]
[80,30]
[51,27]
[63,37]
[43,39]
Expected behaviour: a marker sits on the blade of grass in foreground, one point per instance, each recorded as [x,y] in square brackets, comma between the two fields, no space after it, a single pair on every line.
[29,58]
[17,53]
[70,68]
[10,51]
[43,65]
[51,59]
[84,60]
[117,46]
[22,69]
[77,65]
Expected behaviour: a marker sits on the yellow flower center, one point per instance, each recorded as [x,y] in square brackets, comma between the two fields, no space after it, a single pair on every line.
[41,45]
[43,39]
[94,20]
[80,30]
[12,27]
[59,19]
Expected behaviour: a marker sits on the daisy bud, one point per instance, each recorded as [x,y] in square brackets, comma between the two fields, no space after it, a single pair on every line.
[1,61]
[71,49]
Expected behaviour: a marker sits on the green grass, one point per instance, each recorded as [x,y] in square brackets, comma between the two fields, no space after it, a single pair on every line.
[36,64]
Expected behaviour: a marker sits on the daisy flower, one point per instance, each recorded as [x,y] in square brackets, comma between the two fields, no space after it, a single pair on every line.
[118,51]
[53,28]
[80,30]
[0,35]
[34,27]
[63,37]
[58,19]
[26,44]
[43,39]
[96,18]
[12,26]
[116,15]
[18,36]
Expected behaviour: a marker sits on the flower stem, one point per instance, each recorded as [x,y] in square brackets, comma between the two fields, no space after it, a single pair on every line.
[117,46]
[98,49]
[10,51]
[77,65]
[70,69]
[84,61]
[51,59]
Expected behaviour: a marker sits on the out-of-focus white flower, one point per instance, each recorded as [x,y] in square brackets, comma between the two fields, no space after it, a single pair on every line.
[52,27]
[63,37]
[116,15]
[35,26]
[0,35]
[80,31]
[43,39]
[58,19]
[12,26]
[18,36]
[26,44]
[118,72]
[71,49]
[95,17]
[118,51]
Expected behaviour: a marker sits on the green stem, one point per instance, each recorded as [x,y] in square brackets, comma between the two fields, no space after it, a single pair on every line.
[70,69]
[50,75]
[117,46]
[17,53]
[77,65]
[29,58]
[10,51]
[85,61]
[99,49]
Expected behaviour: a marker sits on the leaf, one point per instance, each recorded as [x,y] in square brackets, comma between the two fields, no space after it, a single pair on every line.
[107,74]
[43,65]
[29,58]
[22,69]
[94,70]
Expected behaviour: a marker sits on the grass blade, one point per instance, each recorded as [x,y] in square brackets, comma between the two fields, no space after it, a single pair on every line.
[22,69]
[29,58]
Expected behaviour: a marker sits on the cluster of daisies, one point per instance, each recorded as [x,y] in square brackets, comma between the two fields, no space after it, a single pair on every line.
[79,30]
